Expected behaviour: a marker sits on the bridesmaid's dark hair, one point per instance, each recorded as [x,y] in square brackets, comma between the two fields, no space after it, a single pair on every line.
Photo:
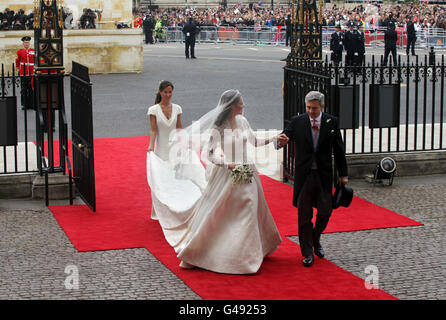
[163,85]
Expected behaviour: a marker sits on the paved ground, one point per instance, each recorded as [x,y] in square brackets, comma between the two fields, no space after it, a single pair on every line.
[35,252]
[37,258]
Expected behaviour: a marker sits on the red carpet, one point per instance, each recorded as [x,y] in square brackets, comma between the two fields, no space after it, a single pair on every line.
[361,215]
[123,221]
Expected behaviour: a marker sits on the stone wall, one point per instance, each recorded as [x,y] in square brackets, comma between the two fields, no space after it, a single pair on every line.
[102,51]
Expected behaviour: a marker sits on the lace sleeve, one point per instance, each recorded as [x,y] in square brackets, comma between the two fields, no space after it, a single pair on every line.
[214,150]
[252,138]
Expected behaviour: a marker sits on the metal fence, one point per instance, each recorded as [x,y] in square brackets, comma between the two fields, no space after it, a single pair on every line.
[15,156]
[374,38]
[381,109]
[209,34]
[22,129]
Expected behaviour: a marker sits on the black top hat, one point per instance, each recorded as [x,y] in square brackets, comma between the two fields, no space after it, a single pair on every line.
[343,196]
[26,38]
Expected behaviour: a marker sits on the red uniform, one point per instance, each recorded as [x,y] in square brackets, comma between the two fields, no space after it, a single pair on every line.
[137,22]
[25,62]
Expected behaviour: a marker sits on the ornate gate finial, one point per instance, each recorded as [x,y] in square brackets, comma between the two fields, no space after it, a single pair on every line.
[48,35]
[306,38]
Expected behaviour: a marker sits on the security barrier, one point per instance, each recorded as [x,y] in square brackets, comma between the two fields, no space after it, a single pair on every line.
[374,38]
[228,34]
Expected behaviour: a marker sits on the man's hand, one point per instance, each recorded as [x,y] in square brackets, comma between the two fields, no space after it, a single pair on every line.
[282,140]
[343,180]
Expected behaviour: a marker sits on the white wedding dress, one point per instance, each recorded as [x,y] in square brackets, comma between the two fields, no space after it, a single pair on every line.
[210,223]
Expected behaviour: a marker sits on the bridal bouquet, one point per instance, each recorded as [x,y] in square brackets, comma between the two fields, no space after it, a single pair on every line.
[241,174]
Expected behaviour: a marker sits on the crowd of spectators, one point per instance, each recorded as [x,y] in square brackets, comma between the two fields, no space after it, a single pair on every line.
[20,20]
[11,20]
[250,15]
[377,15]
[258,15]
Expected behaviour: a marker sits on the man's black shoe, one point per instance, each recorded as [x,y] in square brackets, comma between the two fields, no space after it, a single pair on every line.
[319,252]
[194,57]
[308,261]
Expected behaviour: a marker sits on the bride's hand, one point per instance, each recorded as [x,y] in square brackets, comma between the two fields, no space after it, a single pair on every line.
[149,149]
[231,166]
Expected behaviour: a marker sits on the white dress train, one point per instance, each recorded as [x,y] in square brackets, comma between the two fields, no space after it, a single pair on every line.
[210,223]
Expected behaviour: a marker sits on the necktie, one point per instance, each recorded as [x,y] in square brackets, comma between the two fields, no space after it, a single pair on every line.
[315,127]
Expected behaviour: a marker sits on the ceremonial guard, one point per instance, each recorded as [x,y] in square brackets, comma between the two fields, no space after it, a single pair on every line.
[337,45]
[25,65]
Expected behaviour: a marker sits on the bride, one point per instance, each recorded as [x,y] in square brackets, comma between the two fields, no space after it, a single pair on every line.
[210,222]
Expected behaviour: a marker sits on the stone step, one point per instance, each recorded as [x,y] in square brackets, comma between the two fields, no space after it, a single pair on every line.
[16,186]
[58,187]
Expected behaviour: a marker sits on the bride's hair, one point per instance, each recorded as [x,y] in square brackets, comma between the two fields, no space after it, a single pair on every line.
[163,85]
[228,99]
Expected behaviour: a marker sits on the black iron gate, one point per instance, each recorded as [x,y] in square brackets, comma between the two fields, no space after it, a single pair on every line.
[381,109]
[82,134]
[297,83]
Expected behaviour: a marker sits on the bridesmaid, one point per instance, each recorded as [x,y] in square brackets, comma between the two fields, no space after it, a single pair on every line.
[164,118]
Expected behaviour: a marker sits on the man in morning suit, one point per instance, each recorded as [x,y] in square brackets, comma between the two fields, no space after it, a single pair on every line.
[317,137]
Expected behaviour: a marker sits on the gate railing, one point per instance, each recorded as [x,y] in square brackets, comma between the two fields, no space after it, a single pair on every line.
[381,109]
[82,134]
[17,88]
[27,155]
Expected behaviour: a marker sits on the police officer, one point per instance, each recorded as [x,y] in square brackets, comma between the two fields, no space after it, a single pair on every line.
[337,45]
[359,60]
[390,40]
[411,35]
[148,25]
[356,46]
[288,30]
[190,29]
[347,44]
